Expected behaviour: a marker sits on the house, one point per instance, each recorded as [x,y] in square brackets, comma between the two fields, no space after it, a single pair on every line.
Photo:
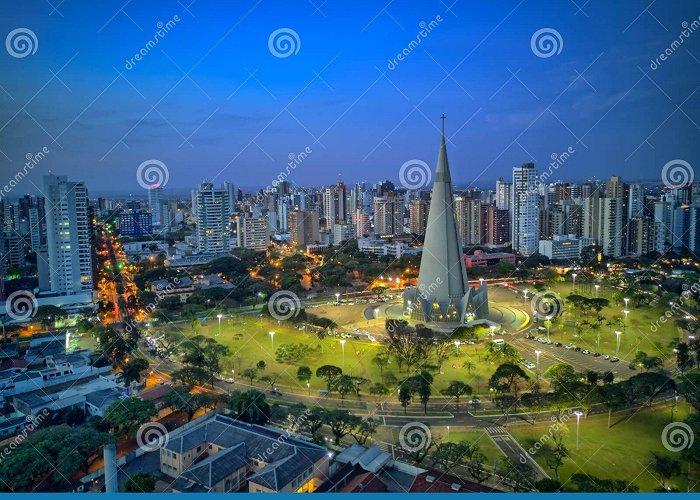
[97,402]
[216,453]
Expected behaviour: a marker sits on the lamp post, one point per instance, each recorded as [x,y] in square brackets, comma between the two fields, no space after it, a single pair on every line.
[342,346]
[573,286]
[219,316]
[597,286]
[537,363]
[525,292]
[448,432]
[617,336]
[549,322]
[337,298]
[493,331]
[308,388]
[481,282]
[272,340]
[626,313]
[457,344]
[626,301]
[578,422]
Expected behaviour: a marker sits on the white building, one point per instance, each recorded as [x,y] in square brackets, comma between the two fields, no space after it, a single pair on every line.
[525,227]
[343,232]
[253,232]
[68,240]
[564,247]
[212,219]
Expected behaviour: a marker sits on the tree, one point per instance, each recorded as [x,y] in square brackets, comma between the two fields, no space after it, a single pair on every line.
[304,374]
[506,376]
[329,373]
[449,455]
[557,453]
[140,483]
[364,430]
[507,404]
[261,365]
[131,371]
[270,379]
[517,475]
[691,389]
[476,465]
[405,396]
[683,360]
[50,455]
[381,360]
[251,374]
[180,399]
[456,389]
[442,353]
[169,341]
[127,415]
[114,346]
[341,423]
[315,418]
[190,375]
[424,381]
[560,375]
[344,384]
[651,384]
[663,467]
[250,406]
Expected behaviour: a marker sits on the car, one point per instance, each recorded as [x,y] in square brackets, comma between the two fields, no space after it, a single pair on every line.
[576,348]
[606,356]
[549,341]
[557,344]
[530,365]
[596,354]
[228,380]
[614,359]
[475,402]
[568,346]
[275,392]
[371,339]
[586,351]
[218,376]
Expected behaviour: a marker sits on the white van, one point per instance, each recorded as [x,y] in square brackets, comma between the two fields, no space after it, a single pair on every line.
[499,341]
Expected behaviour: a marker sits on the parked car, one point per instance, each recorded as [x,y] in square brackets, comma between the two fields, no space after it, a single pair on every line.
[606,356]
[275,392]
[614,359]
[530,365]
[596,354]
[475,402]
[586,351]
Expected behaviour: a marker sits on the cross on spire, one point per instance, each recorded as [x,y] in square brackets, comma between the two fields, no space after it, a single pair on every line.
[443,123]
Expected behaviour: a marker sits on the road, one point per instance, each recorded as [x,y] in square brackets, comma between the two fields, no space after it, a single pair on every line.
[512,449]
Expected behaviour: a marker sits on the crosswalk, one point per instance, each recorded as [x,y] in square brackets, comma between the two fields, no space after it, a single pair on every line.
[496,430]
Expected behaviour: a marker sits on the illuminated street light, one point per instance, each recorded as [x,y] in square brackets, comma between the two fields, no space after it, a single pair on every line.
[219,316]
[573,287]
[337,298]
[596,290]
[537,353]
[457,343]
[578,420]
[626,302]
[272,339]
[626,313]
[549,322]
[342,345]
[617,337]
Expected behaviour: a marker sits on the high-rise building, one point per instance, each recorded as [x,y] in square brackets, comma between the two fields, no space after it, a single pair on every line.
[212,219]
[468,216]
[334,205]
[67,235]
[418,216]
[603,223]
[155,204]
[303,227]
[137,223]
[343,232]
[388,215]
[524,210]
[253,232]
[362,223]
[503,194]
[495,224]
[642,238]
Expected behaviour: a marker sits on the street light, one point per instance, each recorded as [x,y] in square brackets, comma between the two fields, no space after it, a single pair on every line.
[537,353]
[219,316]
[549,322]
[626,301]
[481,282]
[457,344]
[596,290]
[308,388]
[493,331]
[578,420]
[272,340]
[617,336]
[342,345]
[337,298]
[573,287]
[626,313]
[448,432]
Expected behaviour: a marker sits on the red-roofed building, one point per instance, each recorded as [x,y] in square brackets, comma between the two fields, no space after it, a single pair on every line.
[433,481]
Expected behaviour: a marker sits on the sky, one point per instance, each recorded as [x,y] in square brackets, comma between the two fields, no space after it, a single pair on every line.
[216,100]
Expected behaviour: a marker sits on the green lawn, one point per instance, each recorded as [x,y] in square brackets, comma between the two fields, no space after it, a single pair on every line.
[248,338]
[637,334]
[620,452]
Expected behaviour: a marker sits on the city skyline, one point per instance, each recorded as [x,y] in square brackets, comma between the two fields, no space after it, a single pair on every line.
[343,94]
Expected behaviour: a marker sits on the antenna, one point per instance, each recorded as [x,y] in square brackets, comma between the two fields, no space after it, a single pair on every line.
[443,123]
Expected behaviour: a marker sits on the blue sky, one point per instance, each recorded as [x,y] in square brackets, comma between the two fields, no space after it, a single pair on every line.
[212,102]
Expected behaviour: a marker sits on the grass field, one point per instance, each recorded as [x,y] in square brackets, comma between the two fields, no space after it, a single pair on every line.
[249,340]
[638,334]
[621,452]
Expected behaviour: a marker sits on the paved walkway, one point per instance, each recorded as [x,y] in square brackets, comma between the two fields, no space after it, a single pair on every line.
[512,449]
